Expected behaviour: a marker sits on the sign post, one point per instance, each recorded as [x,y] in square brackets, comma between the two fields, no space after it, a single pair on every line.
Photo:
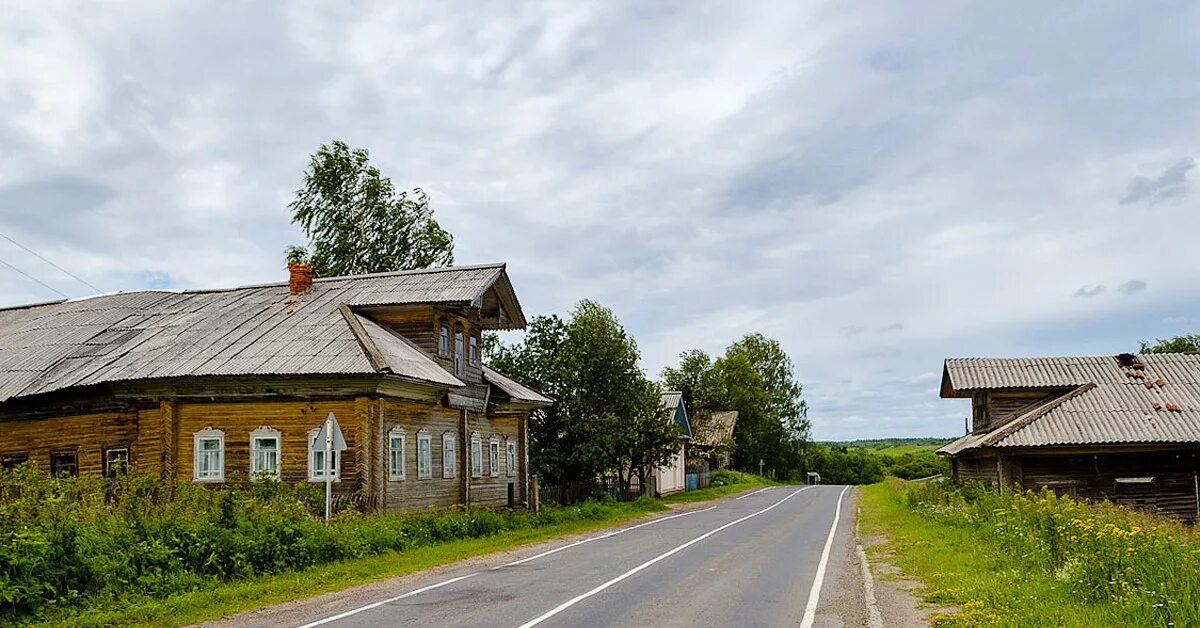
[331,437]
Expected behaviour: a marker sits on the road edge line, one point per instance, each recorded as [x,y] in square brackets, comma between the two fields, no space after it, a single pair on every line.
[368,607]
[749,494]
[874,618]
[583,596]
[814,594]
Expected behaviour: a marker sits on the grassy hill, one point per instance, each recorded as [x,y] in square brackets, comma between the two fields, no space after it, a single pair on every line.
[907,458]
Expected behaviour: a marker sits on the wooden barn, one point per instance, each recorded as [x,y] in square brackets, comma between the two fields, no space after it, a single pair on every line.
[216,385]
[1122,428]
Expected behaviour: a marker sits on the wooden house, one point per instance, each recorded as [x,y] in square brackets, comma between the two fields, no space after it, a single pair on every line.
[214,385]
[1123,428]
[712,440]
[672,476]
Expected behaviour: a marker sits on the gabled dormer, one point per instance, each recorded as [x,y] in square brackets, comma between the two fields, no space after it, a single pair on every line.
[447,317]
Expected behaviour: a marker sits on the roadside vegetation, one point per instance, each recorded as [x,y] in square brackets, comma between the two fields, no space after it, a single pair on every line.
[724,482]
[1036,559]
[132,550]
[98,545]
[868,462]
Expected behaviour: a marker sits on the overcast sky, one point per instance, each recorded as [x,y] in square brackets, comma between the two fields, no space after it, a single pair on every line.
[877,186]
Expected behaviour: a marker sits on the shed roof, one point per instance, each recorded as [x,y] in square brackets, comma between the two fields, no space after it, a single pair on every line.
[514,389]
[1103,402]
[253,330]
[717,429]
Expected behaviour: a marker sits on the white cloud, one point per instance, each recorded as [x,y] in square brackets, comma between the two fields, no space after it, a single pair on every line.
[876,197]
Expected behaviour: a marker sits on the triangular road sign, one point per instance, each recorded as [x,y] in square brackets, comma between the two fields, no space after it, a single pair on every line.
[339,441]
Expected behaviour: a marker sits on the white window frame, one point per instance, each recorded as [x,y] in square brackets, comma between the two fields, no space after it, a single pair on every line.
[313,449]
[449,455]
[396,455]
[260,433]
[444,349]
[425,465]
[494,456]
[476,455]
[108,460]
[208,434]
[510,459]
[460,348]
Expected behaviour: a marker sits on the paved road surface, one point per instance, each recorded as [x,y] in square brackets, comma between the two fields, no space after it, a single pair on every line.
[751,561]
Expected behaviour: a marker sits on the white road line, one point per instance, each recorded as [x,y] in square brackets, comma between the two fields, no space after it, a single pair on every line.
[814,594]
[602,536]
[749,494]
[368,607]
[575,600]
[387,601]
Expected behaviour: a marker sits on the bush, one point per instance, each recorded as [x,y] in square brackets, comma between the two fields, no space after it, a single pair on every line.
[68,542]
[1144,564]
[727,477]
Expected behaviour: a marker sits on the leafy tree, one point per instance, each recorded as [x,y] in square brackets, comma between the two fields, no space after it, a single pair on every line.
[607,418]
[754,377]
[358,223]
[1188,343]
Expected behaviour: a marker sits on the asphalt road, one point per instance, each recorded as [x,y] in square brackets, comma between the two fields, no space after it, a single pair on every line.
[752,561]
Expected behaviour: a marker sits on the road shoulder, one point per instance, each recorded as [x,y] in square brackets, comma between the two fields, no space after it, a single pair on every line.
[298,611]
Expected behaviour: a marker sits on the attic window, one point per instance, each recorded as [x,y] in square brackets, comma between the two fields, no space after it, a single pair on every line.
[474,350]
[444,340]
[459,350]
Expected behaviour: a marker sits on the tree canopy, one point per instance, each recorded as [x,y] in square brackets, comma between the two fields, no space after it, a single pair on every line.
[755,377]
[606,418]
[357,222]
[1187,343]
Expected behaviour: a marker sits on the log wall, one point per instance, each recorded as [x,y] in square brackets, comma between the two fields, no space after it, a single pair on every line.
[88,435]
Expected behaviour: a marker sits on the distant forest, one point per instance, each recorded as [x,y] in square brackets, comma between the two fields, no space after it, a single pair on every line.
[869,461]
[885,443]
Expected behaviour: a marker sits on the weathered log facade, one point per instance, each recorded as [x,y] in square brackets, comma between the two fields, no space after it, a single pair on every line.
[1120,428]
[246,377]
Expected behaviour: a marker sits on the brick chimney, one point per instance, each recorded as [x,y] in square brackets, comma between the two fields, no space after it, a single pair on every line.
[300,278]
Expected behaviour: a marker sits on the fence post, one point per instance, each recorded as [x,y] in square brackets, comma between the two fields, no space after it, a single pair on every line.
[533,491]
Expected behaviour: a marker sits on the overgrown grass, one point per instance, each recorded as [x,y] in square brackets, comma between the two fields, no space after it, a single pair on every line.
[724,482]
[132,547]
[228,598]
[1035,559]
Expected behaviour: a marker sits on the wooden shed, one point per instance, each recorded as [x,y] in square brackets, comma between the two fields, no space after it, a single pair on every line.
[1123,428]
[209,386]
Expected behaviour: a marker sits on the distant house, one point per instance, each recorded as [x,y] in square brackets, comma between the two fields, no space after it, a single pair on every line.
[712,439]
[213,385]
[1123,428]
[671,477]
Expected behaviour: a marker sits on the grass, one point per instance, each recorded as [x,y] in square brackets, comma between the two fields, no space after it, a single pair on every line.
[227,599]
[1016,561]
[739,482]
[215,600]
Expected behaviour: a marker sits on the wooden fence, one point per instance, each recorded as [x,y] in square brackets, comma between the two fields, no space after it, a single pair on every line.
[575,492]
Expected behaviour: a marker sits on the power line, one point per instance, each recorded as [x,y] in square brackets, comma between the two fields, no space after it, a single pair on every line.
[60,268]
[39,281]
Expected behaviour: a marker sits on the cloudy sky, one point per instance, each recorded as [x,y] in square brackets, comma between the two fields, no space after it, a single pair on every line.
[878,186]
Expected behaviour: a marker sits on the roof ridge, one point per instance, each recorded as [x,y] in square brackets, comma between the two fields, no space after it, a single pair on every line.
[1021,422]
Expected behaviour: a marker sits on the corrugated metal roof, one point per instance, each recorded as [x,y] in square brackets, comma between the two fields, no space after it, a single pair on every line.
[1107,405]
[244,331]
[717,429]
[673,400]
[514,389]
